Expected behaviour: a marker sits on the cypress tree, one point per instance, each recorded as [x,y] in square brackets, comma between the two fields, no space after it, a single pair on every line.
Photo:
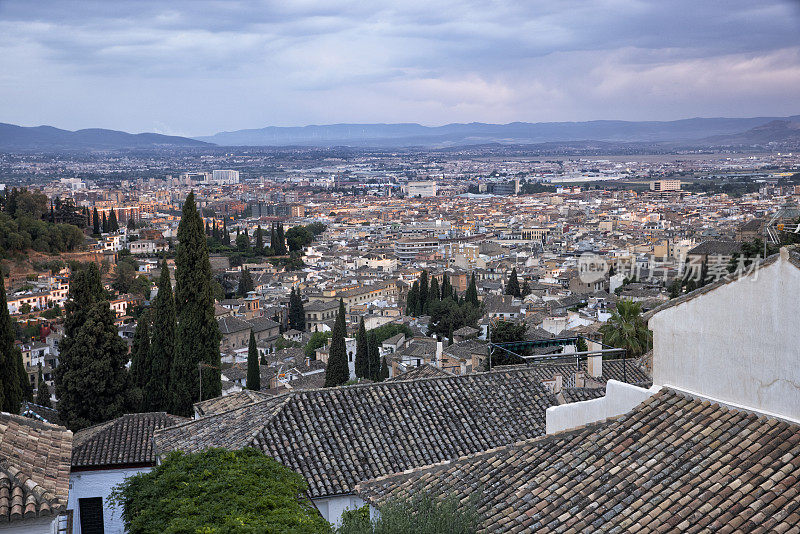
[95,222]
[226,236]
[433,294]
[259,241]
[253,371]
[374,354]
[384,370]
[412,300]
[208,229]
[215,231]
[245,283]
[43,392]
[197,335]
[362,352]
[422,303]
[297,314]
[10,391]
[273,239]
[141,368]
[337,372]
[472,292]
[24,379]
[105,223]
[162,345]
[113,224]
[279,235]
[95,387]
[512,288]
[447,289]
[131,224]
[525,290]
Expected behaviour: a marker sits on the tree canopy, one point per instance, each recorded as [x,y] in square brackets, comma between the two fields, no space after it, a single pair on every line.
[217,491]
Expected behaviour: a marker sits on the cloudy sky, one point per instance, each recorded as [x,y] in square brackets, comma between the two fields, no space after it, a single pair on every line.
[197,67]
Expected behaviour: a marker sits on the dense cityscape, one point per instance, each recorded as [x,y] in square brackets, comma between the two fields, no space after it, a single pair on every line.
[387,268]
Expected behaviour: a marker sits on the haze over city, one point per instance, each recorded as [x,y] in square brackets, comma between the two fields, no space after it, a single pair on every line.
[197,68]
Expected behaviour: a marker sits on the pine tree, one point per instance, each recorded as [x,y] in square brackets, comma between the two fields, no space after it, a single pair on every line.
[374,353]
[512,288]
[94,388]
[162,345]
[95,222]
[113,224]
[253,371]
[362,352]
[245,283]
[297,314]
[141,366]
[422,303]
[43,391]
[472,292]
[259,241]
[105,223]
[197,335]
[338,372]
[10,391]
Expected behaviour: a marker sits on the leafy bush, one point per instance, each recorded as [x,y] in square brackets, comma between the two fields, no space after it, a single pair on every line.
[220,492]
[422,513]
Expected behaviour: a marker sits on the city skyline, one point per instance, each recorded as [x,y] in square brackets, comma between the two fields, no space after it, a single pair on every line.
[175,70]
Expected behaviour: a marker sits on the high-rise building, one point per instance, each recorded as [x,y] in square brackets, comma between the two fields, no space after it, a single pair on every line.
[225,177]
[660,186]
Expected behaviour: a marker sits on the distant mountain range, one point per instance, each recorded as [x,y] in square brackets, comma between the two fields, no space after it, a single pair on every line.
[14,137]
[410,134]
[699,132]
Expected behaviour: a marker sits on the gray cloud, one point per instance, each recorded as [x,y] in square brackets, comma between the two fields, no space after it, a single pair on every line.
[195,67]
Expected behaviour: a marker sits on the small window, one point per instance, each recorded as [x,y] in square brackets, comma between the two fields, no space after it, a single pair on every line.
[91,511]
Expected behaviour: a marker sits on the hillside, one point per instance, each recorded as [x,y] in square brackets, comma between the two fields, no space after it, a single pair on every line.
[13,137]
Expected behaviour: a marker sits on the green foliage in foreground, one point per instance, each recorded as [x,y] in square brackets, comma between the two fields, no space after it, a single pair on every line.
[217,492]
[421,513]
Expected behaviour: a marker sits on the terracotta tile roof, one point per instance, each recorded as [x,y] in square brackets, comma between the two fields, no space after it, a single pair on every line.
[675,463]
[425,370]
[228,402]
[126,440]
[34,468]
[582,394]
[337,437]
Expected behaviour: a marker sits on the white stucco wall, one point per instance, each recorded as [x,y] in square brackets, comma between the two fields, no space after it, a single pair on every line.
[737,343]
[87,484]
[620,398]
[332,508]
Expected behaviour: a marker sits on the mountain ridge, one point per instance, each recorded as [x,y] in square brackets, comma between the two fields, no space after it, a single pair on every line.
[14,137]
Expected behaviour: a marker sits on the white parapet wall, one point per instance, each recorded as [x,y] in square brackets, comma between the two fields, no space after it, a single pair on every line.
[620,398]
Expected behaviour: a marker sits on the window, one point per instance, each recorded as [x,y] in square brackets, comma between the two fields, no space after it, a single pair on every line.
[91,511]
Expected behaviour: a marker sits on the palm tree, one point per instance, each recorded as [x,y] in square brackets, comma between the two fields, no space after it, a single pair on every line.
[626,329]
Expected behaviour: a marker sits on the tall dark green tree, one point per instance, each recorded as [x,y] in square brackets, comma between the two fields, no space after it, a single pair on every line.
[447,289]
[384,370]
[105,223]
[512,288]
[412,299]
[197,335]
[10,390]
[113,224]
[273,239]
[131,224]
[281,238]
[362,352]
[253,371]
[259,241]
[471,295]
[95,222]
[245,283]
[42,391]
[373,350]
[337,372]
[94,386]
[433,292]
[162,344]
[226,235]
[141,365]
[297,314]
[242,242]
[422,304]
